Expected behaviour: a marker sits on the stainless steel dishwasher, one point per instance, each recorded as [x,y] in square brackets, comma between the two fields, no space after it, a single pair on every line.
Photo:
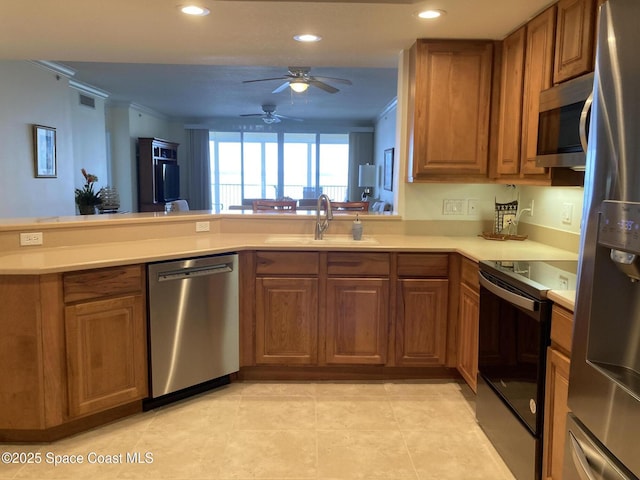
[193,325]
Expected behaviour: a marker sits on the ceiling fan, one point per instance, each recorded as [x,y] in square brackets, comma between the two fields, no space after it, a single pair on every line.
[299,79]
[270,116]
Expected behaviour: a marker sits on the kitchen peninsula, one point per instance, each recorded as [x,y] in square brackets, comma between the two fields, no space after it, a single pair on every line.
[73,311]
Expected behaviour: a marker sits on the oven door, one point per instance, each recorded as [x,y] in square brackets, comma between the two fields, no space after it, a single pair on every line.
[513,337]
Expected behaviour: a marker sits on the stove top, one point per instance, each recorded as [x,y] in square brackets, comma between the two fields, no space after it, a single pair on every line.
[539,276]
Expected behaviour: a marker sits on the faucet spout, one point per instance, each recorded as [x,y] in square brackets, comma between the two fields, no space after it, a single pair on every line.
[322,225]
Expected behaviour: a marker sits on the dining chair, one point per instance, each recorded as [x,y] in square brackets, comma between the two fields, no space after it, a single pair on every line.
[274,205]
[352,206]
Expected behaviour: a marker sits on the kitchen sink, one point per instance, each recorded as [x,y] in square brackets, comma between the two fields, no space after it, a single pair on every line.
[327,240]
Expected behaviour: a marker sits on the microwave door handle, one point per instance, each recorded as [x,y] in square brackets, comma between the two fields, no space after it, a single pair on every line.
[505,294]
[583,122]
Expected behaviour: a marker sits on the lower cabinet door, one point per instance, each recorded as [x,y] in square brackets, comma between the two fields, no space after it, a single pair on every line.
[555,413]
[468,319]
[106,354]
[421,322]
[287,321]
[356,321]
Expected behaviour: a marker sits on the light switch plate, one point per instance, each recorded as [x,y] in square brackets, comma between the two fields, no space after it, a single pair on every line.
[567,213]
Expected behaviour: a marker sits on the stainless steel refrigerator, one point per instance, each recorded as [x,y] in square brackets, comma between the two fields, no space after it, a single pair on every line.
[603,428]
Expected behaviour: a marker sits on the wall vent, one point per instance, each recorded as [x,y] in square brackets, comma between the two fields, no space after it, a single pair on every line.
[87,101]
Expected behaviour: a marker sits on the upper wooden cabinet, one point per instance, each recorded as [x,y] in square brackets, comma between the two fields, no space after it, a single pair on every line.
[574,39]
[537,77]
[450,95]
[510,117]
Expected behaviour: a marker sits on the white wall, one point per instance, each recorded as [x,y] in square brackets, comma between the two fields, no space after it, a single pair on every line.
[31,95]
[385,138]
[549,203]
[88,140]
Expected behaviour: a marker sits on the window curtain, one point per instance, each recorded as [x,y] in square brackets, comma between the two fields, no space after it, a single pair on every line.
[199,184]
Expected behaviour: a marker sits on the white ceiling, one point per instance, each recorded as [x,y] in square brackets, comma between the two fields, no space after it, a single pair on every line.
[155,38]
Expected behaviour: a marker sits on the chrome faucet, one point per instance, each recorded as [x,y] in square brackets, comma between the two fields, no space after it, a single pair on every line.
[321,226]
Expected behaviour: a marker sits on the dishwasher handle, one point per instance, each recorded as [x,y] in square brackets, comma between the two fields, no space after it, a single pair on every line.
[186,273]
[513,298]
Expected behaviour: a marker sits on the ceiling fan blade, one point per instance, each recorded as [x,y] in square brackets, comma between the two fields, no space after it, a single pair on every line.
[288,118]
[332,79]
[252,114]
[323,86]
[281,88]
[265,79]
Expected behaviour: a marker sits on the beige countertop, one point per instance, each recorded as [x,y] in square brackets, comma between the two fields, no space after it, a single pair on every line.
[40,260]
[564,298]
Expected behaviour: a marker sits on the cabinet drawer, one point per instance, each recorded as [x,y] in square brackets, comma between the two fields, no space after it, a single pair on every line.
[355,263]
[423,265]
[562,327]
[287,263]
[469,274]
[102,282]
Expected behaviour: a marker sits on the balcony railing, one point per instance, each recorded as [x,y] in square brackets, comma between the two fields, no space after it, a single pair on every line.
[230,194]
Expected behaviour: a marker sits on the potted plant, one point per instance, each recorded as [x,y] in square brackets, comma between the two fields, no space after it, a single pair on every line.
[86,198]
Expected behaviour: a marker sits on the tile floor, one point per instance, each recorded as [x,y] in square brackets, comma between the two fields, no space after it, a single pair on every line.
[286,431]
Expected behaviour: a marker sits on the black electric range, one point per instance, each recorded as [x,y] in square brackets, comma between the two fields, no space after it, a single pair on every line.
[514,331]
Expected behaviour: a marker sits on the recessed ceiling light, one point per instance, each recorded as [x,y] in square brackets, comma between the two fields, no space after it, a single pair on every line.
[429,14]
[195,10]
[307,37]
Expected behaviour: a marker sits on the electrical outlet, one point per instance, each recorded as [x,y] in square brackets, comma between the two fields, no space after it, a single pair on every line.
[564,282]
[33,238]
[567,213]
[453,207]
[202,226]
[472,207]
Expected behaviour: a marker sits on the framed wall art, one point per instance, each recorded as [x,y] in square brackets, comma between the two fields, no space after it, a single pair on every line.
[387,177]
[44,151]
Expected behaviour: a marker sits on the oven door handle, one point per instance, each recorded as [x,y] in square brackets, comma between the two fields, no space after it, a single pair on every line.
[504,294]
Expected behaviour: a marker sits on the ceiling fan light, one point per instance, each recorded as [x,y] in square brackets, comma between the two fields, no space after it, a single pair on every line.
[298,87]
[268,120]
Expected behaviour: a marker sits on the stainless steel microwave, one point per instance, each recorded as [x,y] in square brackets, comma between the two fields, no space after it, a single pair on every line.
[563,124]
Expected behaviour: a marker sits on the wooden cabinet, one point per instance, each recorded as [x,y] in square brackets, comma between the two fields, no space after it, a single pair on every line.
[105,337]
[537,77]
[152,154]
[287,321]
[574,39]
[286,310]
[511,92]
[450,95]
[356,308]
[421,309]
[468,319]
[73,349]
[356,321]
[556,393]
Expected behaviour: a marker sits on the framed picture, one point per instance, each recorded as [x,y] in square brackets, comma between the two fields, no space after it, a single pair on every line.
[44,151]
[387,178]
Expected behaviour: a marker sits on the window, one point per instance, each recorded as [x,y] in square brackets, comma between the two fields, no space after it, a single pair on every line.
[248,165]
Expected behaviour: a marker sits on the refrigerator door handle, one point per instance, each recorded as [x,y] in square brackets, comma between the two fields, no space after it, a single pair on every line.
[580,459]
[583,122]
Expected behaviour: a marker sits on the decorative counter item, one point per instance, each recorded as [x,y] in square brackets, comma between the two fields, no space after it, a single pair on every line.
[109,200]
[356,229]
[86,198]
